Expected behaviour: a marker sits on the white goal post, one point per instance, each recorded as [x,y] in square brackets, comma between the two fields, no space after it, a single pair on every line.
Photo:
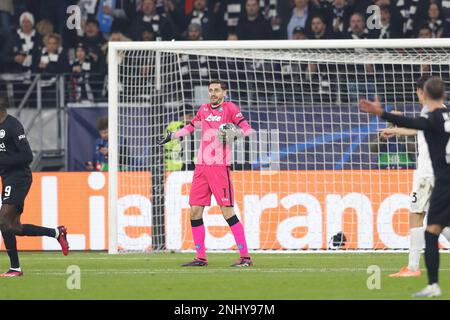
[315,166]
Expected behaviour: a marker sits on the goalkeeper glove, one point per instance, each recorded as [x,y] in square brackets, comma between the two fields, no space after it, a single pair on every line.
[167,138]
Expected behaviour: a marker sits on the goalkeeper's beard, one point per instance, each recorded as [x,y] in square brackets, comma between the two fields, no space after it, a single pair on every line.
[217,104]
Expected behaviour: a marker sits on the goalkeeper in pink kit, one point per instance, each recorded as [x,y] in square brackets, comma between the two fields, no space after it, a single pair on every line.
[212,170]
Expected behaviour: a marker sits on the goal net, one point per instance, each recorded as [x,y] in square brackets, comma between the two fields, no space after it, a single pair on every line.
[314,169]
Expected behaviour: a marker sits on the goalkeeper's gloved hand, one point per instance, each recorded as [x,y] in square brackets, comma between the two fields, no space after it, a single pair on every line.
[227,133]
[167,138]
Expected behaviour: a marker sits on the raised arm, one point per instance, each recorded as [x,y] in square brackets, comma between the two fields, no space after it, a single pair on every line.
[186,130]
[374,107]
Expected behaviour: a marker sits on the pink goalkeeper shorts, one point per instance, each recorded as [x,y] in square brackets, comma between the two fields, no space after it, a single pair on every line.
[209,180]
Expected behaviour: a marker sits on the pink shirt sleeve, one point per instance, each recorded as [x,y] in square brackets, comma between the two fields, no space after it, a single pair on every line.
[241,122]
[190,127]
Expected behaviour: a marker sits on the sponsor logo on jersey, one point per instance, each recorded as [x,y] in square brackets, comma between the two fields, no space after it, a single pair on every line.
[22,136]
[239,115]
[2,133]
[213,118]
[2,146]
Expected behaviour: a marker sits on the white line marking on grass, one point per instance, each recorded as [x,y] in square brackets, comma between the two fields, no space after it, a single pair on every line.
[206,271]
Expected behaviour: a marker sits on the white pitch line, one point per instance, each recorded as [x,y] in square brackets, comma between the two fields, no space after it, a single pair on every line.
[205,271]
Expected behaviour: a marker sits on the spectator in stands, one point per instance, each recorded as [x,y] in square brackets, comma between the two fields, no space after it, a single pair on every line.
[357,28]
[253,25]
[100,159]
[24,44]
[203,16]
[299,33]
[148,35]
[149,17]
[339,16]
[121,15]
[445,10]
[319,29]
[115,36]
[232,37]
[52,58]
[44,27]
[229,12]
[273,10]
[81,69]
[434,20]
[174,149]
[395,153]
[388,30]
[424,32]
[194,32]
[302,15]
[93,41]
[6,11]
[412,12]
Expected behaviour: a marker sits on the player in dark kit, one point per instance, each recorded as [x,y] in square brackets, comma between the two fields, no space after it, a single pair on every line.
[15,159]
[436,128]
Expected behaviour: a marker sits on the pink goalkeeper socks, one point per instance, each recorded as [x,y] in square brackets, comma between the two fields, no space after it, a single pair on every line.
[239,236]
[198,233]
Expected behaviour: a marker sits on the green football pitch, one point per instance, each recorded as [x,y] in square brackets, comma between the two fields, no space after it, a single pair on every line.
[159,276]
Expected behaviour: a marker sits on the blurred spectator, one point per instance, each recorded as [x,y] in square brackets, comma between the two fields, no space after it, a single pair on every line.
[302,15]
[299,33]
[339,16]
[118,18]
[203,16]
[445,8]
[194,32]
[24,44]
[232,37]
[174,149]
[319,29]
[412,12]
[395,153]
[93,41]
[270,9]
[388,30]
[149,17]
[115,36]
[81,69]
[357,28]
[6,11]
[52,59]
[424,32]
[148,35]
[88,10]
[434,20]
[44,27]
[230,11]
[100,160]
[253,25]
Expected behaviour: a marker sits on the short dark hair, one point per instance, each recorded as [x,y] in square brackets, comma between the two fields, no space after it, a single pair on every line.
[321,17]
[4,103]
[420,82]
[102,123]
[223,85]
[435,88]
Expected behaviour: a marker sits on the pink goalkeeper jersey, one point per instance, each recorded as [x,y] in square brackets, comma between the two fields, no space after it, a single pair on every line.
[212,151]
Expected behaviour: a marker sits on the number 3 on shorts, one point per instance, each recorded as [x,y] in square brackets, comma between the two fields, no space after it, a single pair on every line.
[7,191]
[414,197]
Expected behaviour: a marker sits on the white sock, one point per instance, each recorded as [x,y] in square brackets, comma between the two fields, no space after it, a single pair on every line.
[446,233]
[417,239]
[56,233]
[16,269]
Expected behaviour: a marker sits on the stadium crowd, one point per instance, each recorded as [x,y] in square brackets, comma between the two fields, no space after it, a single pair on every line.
[37,38]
